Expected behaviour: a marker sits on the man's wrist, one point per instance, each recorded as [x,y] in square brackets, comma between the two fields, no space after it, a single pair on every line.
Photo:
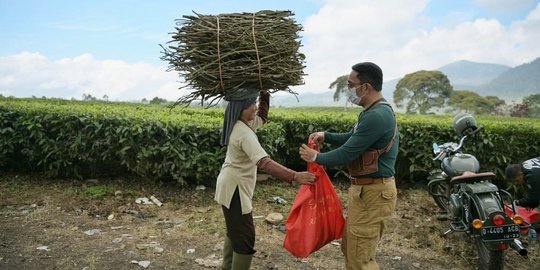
[314,157]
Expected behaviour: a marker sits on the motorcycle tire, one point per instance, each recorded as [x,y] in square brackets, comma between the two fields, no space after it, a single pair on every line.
[489,259]
[439,190]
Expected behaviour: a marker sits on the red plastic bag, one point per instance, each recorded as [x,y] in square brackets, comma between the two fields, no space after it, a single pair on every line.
[530,216]
[316,216]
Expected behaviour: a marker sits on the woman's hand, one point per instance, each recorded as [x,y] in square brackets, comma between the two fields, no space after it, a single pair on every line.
[264,105]
[304,178]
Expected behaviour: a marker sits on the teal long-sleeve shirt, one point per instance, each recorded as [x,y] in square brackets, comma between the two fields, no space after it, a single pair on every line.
[373,129]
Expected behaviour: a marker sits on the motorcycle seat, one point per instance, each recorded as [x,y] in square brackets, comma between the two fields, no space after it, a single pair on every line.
[470,177]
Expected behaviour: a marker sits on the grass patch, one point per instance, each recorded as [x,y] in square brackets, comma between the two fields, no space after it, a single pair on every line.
[98,192]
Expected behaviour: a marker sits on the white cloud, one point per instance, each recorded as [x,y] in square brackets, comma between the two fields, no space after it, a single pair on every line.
[397,36]
[345,32]
[502,6]
[32,74]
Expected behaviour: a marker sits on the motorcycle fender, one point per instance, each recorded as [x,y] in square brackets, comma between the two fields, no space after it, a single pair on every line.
[481,187]
[488,204]
[436,175]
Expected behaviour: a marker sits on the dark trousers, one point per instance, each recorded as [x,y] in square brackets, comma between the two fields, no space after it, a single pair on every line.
[240,228]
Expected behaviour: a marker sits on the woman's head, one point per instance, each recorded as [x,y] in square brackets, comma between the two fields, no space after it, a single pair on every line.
[242,109]
[249,113]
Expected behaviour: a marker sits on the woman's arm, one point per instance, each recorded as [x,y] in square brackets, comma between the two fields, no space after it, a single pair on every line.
[264,105]
[275,169]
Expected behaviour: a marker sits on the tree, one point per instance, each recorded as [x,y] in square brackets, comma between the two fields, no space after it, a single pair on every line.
[533,101]
[157,100]
[469,101]
[495,101]
[88,97]
[520,110]
[421,91]
[341,86]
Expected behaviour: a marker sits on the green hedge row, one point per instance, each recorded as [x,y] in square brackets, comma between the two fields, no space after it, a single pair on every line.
[504,140]
[90,139]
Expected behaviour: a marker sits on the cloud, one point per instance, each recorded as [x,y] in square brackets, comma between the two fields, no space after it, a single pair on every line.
[401,39]
[344,32]
[32,74]
[397,35]
[504,6]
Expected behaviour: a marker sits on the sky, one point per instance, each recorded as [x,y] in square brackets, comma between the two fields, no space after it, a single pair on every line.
[65,49]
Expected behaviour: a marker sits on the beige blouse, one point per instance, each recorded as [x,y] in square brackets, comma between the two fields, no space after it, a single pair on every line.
[240,166]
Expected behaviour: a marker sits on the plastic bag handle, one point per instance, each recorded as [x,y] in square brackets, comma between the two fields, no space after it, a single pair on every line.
[313,145]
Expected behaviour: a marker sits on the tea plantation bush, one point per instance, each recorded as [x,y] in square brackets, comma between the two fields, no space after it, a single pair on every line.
[92,139]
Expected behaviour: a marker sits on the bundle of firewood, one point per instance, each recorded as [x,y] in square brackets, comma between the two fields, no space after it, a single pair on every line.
[232,55]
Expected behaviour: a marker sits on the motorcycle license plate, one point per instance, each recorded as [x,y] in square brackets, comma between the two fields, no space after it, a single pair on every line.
[493,233]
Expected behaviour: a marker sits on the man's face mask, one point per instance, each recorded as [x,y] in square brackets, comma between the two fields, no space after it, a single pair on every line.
[353,98]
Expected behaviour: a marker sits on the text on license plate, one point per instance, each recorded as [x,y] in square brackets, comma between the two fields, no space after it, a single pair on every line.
[500,233]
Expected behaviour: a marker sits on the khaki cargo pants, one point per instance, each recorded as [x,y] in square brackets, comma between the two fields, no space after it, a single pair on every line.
[369,207]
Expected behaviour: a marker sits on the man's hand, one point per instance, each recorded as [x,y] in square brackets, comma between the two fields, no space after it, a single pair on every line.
[307,154]
[317,137]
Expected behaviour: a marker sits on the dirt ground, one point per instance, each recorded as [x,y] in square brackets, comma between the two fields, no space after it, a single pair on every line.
[99,224]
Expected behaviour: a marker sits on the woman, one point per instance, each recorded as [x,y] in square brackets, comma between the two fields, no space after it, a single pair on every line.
[236,180]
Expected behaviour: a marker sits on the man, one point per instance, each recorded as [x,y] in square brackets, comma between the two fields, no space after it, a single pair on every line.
[369,150]
[528,174]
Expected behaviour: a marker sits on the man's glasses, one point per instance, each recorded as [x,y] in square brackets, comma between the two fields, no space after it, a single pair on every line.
[352,87]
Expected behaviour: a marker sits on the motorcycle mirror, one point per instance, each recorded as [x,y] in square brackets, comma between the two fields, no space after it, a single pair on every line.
[436,148]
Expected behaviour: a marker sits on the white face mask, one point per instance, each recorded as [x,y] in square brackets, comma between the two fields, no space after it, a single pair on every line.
[353,98]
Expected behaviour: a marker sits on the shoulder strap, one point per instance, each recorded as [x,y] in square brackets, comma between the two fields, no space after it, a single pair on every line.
[389,145]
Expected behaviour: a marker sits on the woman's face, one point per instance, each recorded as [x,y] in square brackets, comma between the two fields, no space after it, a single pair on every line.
[248,114]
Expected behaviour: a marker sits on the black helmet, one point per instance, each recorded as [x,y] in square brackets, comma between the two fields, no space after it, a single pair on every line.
[464,123]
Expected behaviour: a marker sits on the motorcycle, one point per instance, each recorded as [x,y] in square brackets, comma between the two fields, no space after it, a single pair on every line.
[473,204]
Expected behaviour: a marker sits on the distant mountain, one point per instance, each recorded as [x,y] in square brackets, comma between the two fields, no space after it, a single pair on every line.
[310,99]
[325,99]
[511,84]
[515,83]
[465,75]
[306,99]
[489,79]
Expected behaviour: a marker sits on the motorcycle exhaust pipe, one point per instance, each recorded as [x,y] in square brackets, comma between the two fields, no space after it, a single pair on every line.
[518,246]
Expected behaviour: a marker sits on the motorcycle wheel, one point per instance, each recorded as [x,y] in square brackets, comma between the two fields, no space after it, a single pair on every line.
[489,259]
[439,190]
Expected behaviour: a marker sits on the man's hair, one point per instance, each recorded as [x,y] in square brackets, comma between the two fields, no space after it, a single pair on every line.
[512,171]
[369,73]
